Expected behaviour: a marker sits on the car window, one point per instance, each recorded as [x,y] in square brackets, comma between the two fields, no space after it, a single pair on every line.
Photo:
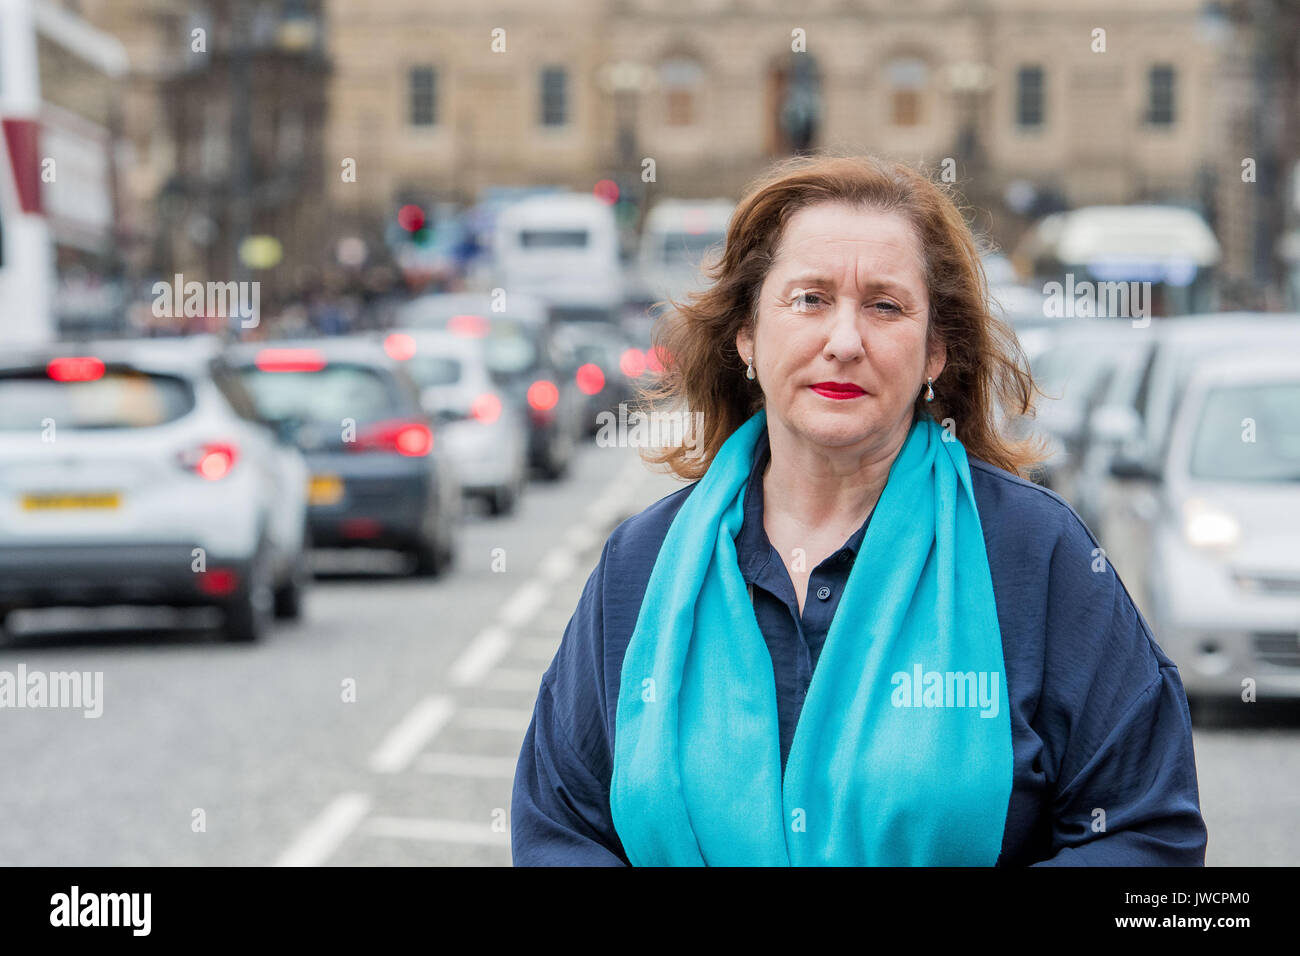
[1248,433]
[234,392]
[427,370]
[326,395]
[127,398]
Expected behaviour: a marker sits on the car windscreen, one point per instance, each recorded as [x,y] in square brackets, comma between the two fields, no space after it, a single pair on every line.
[327,395]
[1248,433]
[688,248]
[536,239]
[33,399]
[427,370]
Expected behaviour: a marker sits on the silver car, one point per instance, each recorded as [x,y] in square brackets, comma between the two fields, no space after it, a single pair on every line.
[479,428]
[1224,561]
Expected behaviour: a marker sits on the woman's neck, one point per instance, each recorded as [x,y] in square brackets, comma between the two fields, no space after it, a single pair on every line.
[816,487]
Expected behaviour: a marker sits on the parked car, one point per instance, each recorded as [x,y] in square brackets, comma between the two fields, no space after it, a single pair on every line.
[1073,372]
[524,360]
[379,477]
[485,434]
[1139,432]
[1222,560]
[605,367]
[139,472]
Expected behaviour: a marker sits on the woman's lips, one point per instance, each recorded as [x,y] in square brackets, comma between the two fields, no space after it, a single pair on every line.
[838,390]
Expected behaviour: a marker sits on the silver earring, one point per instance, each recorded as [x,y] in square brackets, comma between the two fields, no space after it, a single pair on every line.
[750,374]
[929,389]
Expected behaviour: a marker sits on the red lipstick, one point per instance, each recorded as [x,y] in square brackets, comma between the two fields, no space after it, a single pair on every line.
[838,390]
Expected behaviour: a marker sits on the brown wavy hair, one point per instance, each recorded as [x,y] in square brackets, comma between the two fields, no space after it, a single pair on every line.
[695,342]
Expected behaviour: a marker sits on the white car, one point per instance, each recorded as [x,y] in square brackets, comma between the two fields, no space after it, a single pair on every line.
[1223,565]
[138,472]
[478,426]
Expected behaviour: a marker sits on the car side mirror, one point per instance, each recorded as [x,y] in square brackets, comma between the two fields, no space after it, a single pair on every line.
[1131,467]
[1114,425]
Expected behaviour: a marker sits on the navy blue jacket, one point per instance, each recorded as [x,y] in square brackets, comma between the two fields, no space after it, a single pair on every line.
[1104,773]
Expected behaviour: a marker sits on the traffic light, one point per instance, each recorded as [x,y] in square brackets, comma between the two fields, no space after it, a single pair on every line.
[415,225]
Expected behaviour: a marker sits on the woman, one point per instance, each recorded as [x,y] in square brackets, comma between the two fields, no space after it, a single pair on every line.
[858,637]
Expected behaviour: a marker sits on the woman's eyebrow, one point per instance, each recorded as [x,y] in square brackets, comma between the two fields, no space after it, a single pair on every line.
[885,283]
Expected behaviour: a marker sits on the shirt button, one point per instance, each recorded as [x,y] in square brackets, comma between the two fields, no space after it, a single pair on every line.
[823,592]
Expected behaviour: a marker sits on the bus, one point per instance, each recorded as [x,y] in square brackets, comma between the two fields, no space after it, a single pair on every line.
[26,251]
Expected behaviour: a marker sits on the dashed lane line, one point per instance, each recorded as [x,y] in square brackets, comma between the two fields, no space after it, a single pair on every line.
[326,833]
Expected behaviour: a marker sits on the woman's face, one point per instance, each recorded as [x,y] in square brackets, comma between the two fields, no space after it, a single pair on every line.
[845,302]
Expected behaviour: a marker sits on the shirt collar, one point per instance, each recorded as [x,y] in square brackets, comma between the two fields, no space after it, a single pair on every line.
[753,549]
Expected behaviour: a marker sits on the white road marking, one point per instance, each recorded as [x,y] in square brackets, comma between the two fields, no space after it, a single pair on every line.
[495,718]
[439,831]
[524,604]
[414,731]
[480,656]
[326,833]
[467,765]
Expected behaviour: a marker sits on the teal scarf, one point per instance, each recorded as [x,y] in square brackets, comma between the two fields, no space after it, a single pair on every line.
[902,753]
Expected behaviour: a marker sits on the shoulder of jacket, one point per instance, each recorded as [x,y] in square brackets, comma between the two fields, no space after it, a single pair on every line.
[644,532]
[1016,503]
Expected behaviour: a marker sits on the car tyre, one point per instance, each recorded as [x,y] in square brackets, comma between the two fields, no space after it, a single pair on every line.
[248,615]
[289,595]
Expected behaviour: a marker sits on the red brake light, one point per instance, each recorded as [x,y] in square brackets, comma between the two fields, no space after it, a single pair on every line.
[75,368]
[399,346]
[653,360]
[212,460]
[590,379]
[632,363]
[543,395]
[290,360]
[412,439]
[218,581]
[486,408]
[469,326]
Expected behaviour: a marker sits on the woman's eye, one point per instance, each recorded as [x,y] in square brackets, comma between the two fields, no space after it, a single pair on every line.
[888,307]
[806,301]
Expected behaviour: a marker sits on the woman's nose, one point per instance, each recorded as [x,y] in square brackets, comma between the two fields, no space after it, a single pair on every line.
[844,337]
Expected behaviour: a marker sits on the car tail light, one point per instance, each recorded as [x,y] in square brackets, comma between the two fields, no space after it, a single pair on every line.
[486,408]
[23,139]
[654,360]
[218,581]
[290,360]
[590,379]
[75,368]
[468,326]
[412,439]
[632,363]
[212,460]
[543,395]
[399,346]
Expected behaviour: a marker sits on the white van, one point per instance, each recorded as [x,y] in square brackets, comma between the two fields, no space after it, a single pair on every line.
[675,239]
[562,247]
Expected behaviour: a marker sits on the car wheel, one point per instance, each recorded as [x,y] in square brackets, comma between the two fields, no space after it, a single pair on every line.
[289,595]
[502,500]
[430,559]
[248,616]
[558,454]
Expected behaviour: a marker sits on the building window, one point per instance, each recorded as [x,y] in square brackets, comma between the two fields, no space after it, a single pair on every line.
[555,96]
[424,96]
[907,79]
[680,78]
[1160,95]
[1029,97]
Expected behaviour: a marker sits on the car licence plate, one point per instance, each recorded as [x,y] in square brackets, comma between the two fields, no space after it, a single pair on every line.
[325,490]
[63,501]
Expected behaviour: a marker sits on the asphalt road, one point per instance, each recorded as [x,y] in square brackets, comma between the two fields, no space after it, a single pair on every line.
[383,727]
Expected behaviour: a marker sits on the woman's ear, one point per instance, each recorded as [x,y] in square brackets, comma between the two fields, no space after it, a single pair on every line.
[936,360]
[745,344]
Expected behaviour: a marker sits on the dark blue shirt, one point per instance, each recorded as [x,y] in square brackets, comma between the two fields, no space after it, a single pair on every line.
[1104,773]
